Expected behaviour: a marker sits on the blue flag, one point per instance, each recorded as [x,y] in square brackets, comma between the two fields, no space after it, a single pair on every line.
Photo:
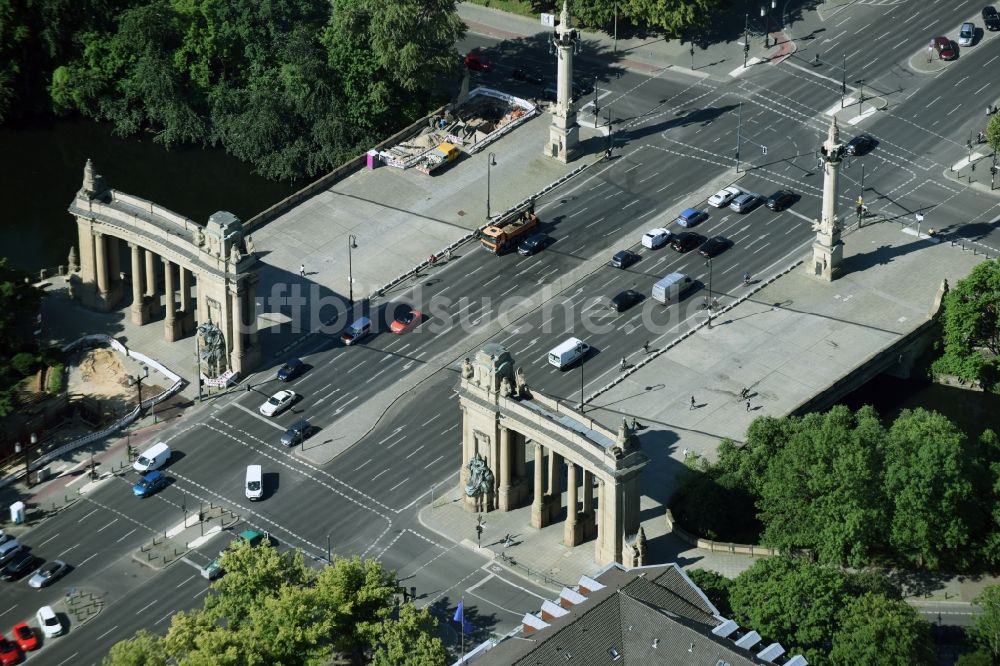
[460,613]
[467,627]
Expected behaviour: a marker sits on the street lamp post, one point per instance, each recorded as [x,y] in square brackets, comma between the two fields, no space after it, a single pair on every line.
[767,21]
[597,111]
[861,94]
[491,161]
[746,38]
[352,242]
[711,301]
[843,82]
[136,380]
[739,126]
[692,55]
[763,15]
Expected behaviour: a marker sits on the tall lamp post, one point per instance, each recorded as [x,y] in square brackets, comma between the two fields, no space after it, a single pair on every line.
[136,381]
[491,161]
[711,301]
[352,242]
[27,456]
[746,38]
[764,15]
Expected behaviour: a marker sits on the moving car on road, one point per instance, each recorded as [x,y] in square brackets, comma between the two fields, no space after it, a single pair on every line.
[292,368]
[967,34]
[297,433]
[625,300]
[528,76]
[49,622]
[780,200]
[18,565]
[713,246]
[655,238]
[49,574]
[745,202]
[405,321]
[24,636]
[686,240]
[9,654]
[624,258]
[532,244]
[477,63]
[991,19]
[278,403]
[722,198]
[945,49]
[149,484]
[690,217]
[860,145]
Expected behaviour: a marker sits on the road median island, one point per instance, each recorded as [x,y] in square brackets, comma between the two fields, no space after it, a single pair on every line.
[165,549]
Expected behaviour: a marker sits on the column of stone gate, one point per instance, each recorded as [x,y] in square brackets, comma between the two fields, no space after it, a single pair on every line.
[571,531]
[539,518]
[138,311]
[151,297]
[504,481]
[587,517]
[170,328]
[554,494]
[101,268]
[184,312]
[86,238]
[237,315]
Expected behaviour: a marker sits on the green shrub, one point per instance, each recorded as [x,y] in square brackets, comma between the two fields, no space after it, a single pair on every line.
[24,363]
[55,378]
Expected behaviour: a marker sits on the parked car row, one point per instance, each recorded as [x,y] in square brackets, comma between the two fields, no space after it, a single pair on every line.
[17,561]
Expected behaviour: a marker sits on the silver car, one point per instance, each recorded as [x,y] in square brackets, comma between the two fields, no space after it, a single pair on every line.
[966,34]
[48,574]
[745,202]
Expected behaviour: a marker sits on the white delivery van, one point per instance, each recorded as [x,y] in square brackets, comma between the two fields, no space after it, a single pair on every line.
[254,483]
[154,457]
[568,352]
[356,331]
[672,288]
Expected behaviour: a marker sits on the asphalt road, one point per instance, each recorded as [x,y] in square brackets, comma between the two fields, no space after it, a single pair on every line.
[673,137]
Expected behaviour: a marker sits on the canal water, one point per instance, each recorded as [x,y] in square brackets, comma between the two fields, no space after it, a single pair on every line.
[41,168]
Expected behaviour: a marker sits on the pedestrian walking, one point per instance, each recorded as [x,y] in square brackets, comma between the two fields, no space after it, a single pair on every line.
[645,346]
[748,405]
[302,270]
[635,424]
[744,392]
[624,363]
[692,402]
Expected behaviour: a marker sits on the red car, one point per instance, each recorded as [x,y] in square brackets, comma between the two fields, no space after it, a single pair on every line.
[477,63]
[9,654]
[25,636]
[945,49]
[405,321]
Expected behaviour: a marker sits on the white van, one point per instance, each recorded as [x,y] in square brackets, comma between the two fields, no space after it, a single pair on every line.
[154,457]
[255,483]
[568,352]
[672,288]
[356,331]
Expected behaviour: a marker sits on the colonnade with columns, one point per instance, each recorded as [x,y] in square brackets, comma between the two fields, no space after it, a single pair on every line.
[505,424]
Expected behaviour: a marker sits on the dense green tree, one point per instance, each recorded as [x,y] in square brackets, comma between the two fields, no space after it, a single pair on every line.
[716,588]
[358,595]
[793,601]
[143,649]
[928,470]
[408,640]
[971,327]
[993,133]
[986,626]
[674,17]
[750,462]
[823,489]
[876,631]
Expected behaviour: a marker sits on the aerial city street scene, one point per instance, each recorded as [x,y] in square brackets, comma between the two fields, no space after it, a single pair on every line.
[500,332]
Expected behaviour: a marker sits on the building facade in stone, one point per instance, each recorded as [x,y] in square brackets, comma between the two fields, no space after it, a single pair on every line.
[169,257]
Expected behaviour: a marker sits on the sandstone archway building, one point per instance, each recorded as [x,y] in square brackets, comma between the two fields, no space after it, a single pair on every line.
[211,258]
[503,420]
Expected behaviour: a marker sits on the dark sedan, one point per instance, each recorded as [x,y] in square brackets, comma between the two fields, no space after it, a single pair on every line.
[19,565]
[528,76]
[780,200]
[624,258]
[860,145]
[686,240]
[532,244]
[713,246]
[625,300]
[991,19]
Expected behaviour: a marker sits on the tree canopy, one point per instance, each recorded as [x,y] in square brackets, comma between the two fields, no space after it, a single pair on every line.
[971,321]
[852,492]
[269,608]
[20,303]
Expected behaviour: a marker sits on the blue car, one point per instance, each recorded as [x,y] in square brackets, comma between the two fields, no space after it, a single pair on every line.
[149,484]
[691,216]
[290,370]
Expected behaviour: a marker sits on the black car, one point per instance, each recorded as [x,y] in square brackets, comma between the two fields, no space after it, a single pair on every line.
[860,145]
[624,258]
[625,300]
[528,76]
[532,244]
[713,246]
[686,240]
[290,370]
[991,18]
[19,565]
[780,200]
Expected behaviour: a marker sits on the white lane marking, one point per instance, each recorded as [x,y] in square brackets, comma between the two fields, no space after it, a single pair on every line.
[47,540]
[185,581]
[126,535]
[68,549]
[363,464]
[379,474]
[68,659]
[88,516]
[414,452]
[399,484]
[85,561]
[108,525]
[148,605]
[430,420]
[258,415]
[433,462]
